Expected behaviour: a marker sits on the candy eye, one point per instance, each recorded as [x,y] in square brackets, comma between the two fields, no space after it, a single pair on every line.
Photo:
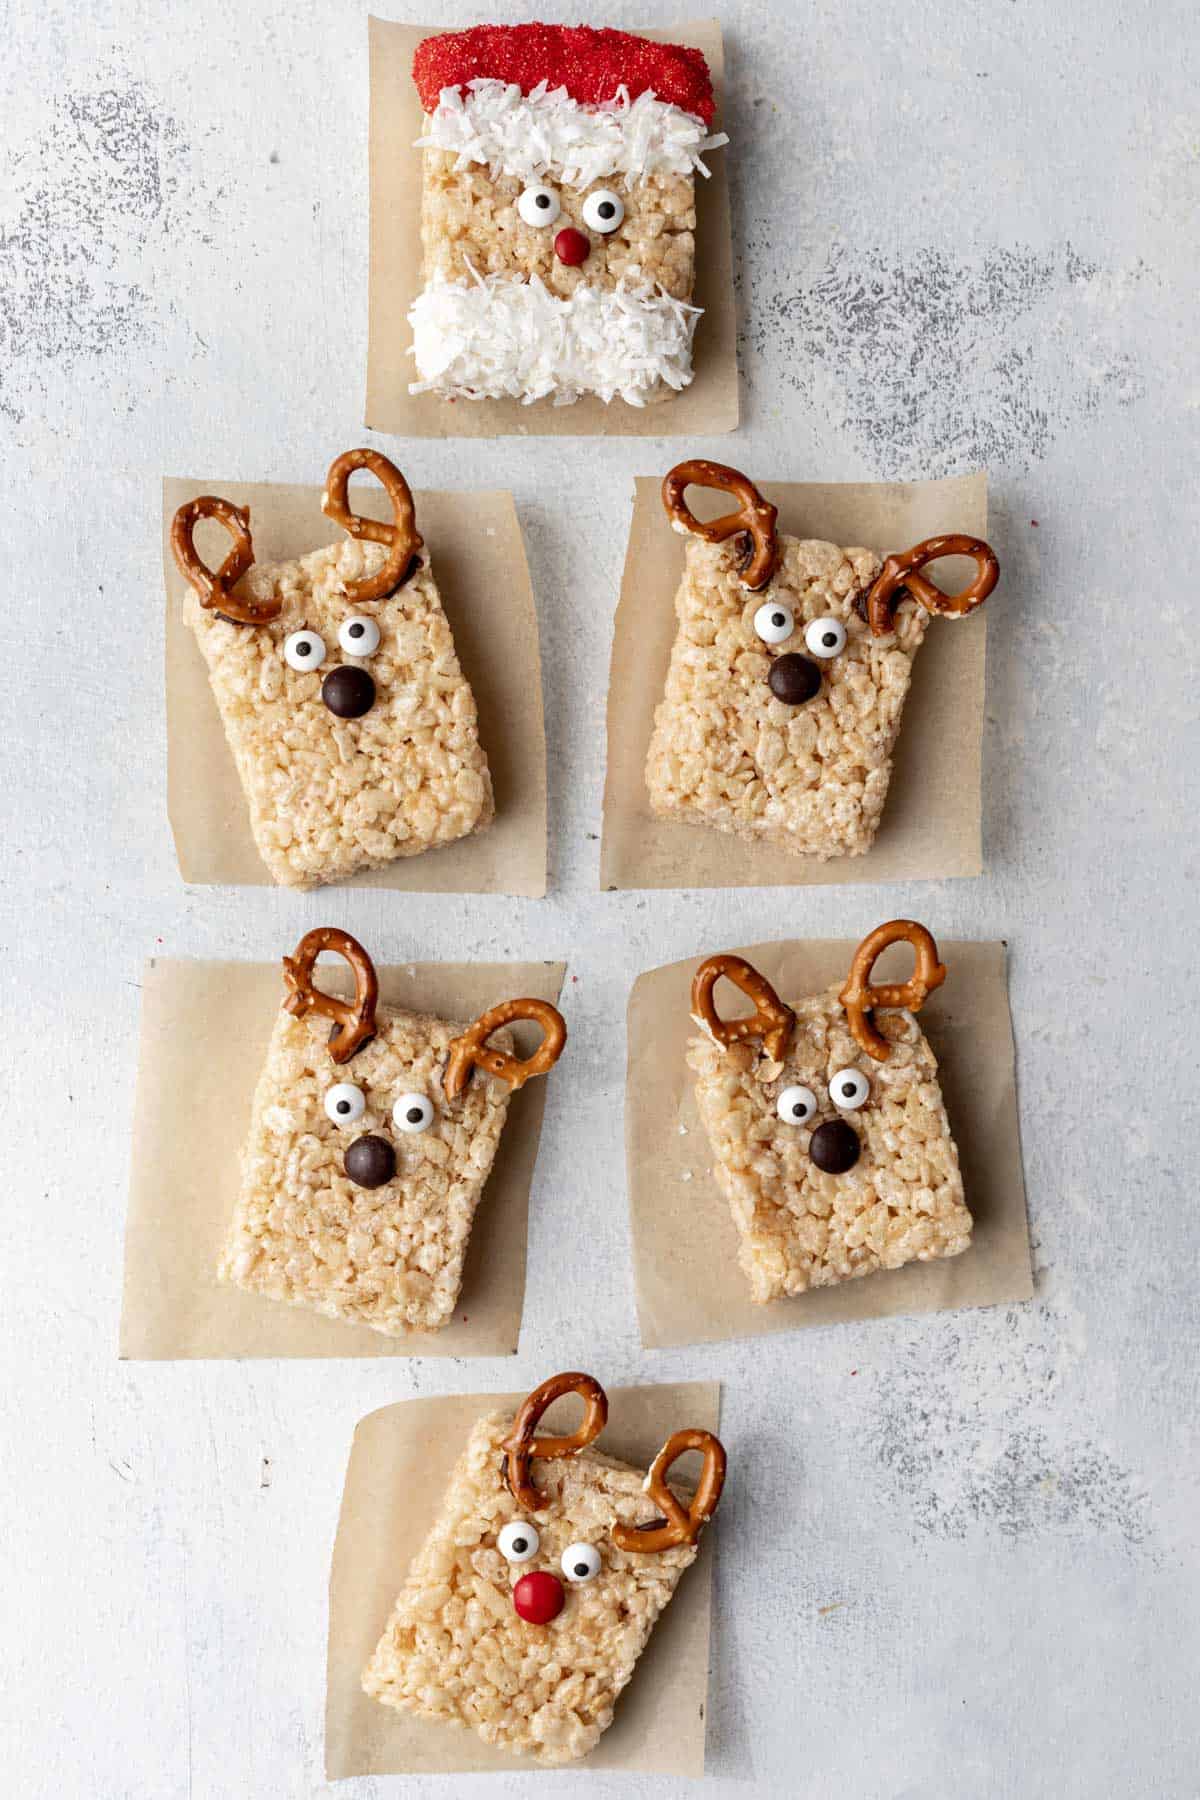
[412,1112]
[580,1562]
[539,206]
[345,1103]
[774,623]
[518,1542]
[358,636]
[826,638]
[304,651]
[796,1105]
[849,1089]
[603,211]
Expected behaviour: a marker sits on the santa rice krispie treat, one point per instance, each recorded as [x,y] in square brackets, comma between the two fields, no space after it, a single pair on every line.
[527,1608]
[558,213]
[351,723]
[369,1146]
[789,672]
[826,1120]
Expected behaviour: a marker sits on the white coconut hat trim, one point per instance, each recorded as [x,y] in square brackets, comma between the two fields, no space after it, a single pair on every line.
[496,338]
[545,132]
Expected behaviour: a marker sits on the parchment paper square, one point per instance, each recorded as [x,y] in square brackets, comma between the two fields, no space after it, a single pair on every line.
[400,1462]
[931,823]
[690,1287]
[478,558]
[205,1029]
[708,406]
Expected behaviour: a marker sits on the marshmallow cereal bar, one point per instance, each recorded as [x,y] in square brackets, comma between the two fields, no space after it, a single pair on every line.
[827,1123]
[525,1612]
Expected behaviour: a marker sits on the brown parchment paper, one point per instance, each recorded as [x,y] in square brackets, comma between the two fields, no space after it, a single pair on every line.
[205,1029]
[400,1462]
[690,1288]
[709,405]
[931,823]
[478,558]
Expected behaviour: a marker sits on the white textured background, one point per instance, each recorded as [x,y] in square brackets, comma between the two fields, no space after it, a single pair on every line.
[958,1554]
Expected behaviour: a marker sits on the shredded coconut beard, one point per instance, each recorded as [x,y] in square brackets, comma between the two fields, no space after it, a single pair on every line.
[527,135]
[500,338]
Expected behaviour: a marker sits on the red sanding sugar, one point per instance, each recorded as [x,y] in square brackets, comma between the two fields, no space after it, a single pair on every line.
[591,64]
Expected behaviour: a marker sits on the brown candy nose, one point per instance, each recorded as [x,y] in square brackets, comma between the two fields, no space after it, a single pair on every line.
[834,1147]
[348,692]
[794,679]
[369,1162]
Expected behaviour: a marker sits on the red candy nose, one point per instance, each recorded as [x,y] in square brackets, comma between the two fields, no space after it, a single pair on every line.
[538,1598]
[571,247]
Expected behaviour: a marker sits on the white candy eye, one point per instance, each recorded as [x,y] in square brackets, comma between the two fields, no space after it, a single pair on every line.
[796,1105]
[412,1112]
[774,623]
[603,211]
[518,1542]
[539,206]
[580,1562]
[304,650]
[345,1103]
[849,1089]
[826,638]
[358,636]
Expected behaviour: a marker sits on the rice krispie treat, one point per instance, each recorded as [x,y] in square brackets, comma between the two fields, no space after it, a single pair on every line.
[352,725]
[827,1123]
[558,213]
[789,673]
[370,1145]
[530,1602]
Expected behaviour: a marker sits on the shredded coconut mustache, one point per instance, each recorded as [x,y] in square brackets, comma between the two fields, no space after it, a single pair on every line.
[495,337]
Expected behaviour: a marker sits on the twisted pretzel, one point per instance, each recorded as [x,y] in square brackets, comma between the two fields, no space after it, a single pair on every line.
[215,588]
[859,997]
[902,572]
[354,1020]
[681,1524]
[772,1021]
[470,1051]
[521,1448]
[754,514]
[401,536]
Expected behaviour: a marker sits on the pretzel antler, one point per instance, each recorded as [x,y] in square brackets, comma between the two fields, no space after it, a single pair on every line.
[354,1020]
[772,1021]
[754,515]
[900,573]
[470,1051]
[521,1448]
[858,996]
[681,1524]
[215,587]
[401,536]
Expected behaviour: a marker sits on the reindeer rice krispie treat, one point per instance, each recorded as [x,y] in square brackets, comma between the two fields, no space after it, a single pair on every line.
[558,213]
[370,1145]
[352,725]
[525,1611]
[826,1120]
[789,672]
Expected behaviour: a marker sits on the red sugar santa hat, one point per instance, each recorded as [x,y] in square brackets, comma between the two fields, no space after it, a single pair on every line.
[590,63]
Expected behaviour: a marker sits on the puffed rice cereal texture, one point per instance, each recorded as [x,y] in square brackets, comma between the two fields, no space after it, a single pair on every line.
[726,753]
[455,1648]
[390,1257]
[327,796]
[469,220]
[799,1228]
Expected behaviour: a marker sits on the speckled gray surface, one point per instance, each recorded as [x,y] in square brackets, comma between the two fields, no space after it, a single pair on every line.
[959,1554]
